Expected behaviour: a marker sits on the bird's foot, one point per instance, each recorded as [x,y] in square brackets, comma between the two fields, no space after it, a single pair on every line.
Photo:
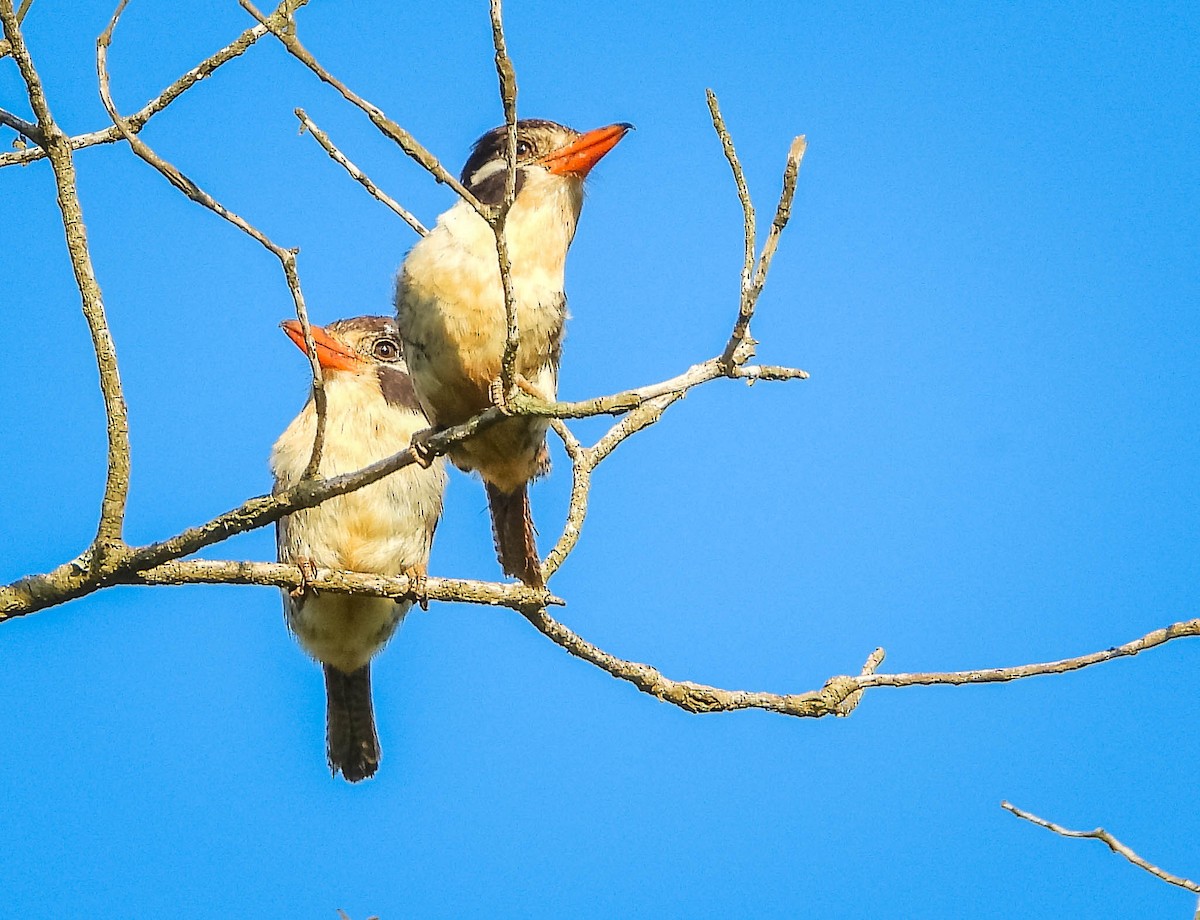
[419,443]
[418,585]
[542,463]
[500,396]
[308,574]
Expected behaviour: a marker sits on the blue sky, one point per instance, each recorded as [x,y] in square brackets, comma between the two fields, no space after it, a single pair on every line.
[992,275]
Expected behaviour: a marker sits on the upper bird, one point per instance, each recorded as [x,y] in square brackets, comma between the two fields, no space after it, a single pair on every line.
[451,315]
[385,528]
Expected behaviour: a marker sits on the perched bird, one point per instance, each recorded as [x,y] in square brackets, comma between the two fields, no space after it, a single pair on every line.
[385,528]
[451,315]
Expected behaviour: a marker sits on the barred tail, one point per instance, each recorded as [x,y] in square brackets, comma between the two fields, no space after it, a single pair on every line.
[512,527]
[351,743]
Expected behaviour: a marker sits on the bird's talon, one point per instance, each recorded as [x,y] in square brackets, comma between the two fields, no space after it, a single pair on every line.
[422,451]
[418,586]
[308,574]
[499,395]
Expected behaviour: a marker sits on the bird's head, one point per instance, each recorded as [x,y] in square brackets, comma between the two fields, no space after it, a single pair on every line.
[363,347]
[548,154]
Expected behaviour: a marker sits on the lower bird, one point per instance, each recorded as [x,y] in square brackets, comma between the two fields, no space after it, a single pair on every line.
[385,528]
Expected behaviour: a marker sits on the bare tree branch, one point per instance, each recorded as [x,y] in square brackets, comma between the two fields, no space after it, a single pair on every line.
[750,234]
[783,213]
[137,120]
[108,543]
[390,129]
[159,563]
[357,174]
[1112,843]
[581,484]
[839,695]
[848,705]
[619,403]
[754,277]
[1151,640]
[77,578]
[228,572]
[286,257]
[508,99]
[693,697]
[409,144]
[5,44]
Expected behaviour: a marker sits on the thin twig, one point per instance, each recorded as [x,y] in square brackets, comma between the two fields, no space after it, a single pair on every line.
[749,233]
[1151,640]
[783,213]
[286,257]
[581,485]
[507,77]
[585,459]
[1111,842]
[138,119]
[108,544]
[357,174]
[390,129]
[870,666]
[619,403]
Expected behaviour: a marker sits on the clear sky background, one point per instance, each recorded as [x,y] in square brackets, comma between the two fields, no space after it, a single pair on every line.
[991,273]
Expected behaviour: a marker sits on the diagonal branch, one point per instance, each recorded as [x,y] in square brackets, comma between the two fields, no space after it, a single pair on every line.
[357,174]
[1112,843]
[108,543]
[619,403]
[850,703]
[286,257]
[390,129]
[409,144]
[1186,629]
[138,119]
[783,213]
[750,234]
[75,579]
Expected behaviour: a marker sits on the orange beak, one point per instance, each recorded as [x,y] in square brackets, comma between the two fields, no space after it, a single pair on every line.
[332,354]
[579,156]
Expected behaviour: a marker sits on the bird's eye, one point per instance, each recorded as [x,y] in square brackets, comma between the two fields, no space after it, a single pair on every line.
[386,350]
[524,148]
